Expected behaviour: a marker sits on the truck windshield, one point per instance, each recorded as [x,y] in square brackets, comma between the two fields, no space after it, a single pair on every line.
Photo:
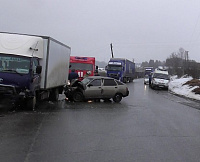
[114,67]
[14,64]
[81,66]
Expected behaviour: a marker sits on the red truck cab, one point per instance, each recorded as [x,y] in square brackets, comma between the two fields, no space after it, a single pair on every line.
[82,65]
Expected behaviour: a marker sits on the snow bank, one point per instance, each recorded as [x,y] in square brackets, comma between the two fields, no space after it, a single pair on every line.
[176,86]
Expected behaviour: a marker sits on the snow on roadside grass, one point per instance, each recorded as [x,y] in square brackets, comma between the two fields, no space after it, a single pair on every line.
[176,85]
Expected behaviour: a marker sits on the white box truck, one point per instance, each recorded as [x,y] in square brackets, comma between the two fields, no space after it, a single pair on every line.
[32,68]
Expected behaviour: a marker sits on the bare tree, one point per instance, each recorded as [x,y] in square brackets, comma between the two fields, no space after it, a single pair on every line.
[179,64]
[174,62]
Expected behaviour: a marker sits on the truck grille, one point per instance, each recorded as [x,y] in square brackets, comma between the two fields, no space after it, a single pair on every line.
[113,75]
[4,89]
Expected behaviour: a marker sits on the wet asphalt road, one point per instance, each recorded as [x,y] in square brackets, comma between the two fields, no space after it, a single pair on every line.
[147,126]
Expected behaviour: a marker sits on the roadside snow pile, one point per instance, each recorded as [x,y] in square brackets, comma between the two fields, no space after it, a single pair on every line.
[182,86]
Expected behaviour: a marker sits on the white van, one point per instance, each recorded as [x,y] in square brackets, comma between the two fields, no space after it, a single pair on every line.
[160,79]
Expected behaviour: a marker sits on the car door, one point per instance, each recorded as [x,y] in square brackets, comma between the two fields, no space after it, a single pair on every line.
[109,88]
[93,89]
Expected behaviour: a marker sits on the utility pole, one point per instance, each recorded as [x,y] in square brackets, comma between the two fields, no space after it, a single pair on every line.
[111,47]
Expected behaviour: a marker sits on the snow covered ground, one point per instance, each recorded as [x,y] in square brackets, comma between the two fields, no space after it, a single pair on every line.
[176,86]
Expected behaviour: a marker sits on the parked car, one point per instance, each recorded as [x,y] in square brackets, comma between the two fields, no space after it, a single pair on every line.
[146,79]
[97,87]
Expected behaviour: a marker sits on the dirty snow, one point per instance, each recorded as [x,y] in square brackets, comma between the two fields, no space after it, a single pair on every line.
[176,86]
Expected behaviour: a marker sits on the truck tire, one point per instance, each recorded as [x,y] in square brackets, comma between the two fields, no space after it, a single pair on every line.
[117,98]
[131,80]
[54,95]
[78,96]
[124,80]
[31,103]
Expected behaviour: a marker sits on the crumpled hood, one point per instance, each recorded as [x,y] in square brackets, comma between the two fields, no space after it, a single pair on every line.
[75,83]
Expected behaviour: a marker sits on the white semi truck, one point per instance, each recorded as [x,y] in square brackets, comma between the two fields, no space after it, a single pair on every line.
[32,68]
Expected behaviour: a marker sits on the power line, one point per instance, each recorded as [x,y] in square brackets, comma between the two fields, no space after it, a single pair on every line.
[194,30]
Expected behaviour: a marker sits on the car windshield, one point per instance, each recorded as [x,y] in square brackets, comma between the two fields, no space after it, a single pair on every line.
[86,80]
[14,64]
[161,76]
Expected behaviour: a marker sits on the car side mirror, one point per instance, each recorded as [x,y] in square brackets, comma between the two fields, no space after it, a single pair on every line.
[38,69]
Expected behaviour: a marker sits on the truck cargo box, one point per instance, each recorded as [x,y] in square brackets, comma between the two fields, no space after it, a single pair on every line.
[55,65]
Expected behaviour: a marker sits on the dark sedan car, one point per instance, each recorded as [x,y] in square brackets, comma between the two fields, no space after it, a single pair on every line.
[97,87]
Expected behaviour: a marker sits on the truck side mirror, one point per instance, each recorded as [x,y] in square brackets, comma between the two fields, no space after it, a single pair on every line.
[38,69]
[106,67]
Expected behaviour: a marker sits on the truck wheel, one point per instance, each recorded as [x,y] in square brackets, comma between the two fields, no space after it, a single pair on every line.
[124,80]
[31,103]
[131,80]
[54,95]
[117,98]
[78,96]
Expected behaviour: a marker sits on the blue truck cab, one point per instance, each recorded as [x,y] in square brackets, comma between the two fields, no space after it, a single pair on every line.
[121,69]
[19,76]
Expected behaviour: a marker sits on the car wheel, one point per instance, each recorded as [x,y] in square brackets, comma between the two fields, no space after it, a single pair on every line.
[117,98]
[78,96]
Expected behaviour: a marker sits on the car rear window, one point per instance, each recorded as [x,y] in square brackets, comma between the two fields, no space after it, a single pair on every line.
[109,82]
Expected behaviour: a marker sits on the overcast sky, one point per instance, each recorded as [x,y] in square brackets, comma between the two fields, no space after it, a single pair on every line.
[138,29]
